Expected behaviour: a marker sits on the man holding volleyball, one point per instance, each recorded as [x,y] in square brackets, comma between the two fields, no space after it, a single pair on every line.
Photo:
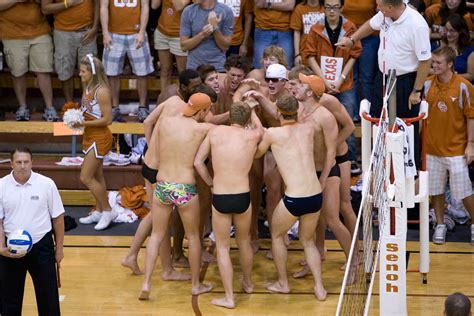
[30,201]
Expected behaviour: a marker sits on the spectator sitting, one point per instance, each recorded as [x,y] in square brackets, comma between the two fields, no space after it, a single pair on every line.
[437,15]
[457,304]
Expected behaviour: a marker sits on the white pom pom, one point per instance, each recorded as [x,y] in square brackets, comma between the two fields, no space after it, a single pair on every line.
[73,116]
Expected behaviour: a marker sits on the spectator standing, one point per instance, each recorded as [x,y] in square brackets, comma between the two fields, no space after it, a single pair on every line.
[75,35]
[206,32]
[243,20]
[124,31]
[28,46]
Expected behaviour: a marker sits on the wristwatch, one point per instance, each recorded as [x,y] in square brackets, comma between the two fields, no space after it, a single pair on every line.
[352,40]
[343,76]
[417,90]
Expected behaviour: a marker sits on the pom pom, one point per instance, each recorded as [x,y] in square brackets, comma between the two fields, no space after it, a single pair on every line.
[73,116]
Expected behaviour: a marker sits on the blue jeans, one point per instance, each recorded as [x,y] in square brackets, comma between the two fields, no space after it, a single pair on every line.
[349,100]
[264,38]
[233,50]
[365,70]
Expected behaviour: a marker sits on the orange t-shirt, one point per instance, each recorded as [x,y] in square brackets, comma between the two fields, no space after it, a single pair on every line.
[275,20]
[239,8]
[435,21]
[74,18]
[431,2]
[124,16]
[450,105]
[302,19]
[169,21]
[23,21]
[359,11]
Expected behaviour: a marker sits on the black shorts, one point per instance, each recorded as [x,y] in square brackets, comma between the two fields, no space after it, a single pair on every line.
[342,158]
[231,203]
[299,206]
[334,172]
[149,173]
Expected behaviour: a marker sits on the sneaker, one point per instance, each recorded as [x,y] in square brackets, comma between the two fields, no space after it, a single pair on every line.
[50,115]
[439,235]
[355,169]
[22,114]
[142,113]
[116,115]
[115,159]
[106,219]
[94,217]
[135,158]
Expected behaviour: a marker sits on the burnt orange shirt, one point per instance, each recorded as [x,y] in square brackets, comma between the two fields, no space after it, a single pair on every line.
[435,22]
[302,19]
[23,21]
[74,18]
[268,19]
[124,16]
[169,21]
[431,2]
[359,11]
[450,106]
[239,8]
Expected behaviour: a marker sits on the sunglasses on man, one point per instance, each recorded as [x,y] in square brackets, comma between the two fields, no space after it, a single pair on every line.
[274,80]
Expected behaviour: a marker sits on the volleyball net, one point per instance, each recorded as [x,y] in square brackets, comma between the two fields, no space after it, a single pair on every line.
[388,190]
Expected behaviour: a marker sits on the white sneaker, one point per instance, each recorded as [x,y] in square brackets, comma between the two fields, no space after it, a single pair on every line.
[93,217]
[106,219]
[439,235]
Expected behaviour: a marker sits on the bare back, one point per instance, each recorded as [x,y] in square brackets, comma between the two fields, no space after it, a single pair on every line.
[180,138]
[232,150]
[292,147]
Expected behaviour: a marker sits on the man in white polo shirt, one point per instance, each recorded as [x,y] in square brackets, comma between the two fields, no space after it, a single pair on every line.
[404,47]
[31,202]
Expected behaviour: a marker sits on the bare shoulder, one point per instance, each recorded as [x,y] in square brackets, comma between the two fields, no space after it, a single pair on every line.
[256,74]
[330,102]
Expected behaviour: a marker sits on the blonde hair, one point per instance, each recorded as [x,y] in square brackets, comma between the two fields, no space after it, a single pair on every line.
[99,78]
[277,52]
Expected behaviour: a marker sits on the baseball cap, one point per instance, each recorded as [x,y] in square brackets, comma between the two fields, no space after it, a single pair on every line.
[315,83]
[197,102]
[276,71]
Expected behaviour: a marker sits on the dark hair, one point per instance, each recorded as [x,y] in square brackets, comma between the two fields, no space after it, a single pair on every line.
[239,113]
[204,70]
[419,5]
[457,304]
[24,150]
[187,75]
[444,11]
[294,73]
[447,52]
[203,88]
[394,3]
[239,62]
[459,24]
[288,107]
[324,2]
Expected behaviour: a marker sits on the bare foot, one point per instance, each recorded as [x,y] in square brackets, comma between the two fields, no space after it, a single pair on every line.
[131,263]
[223,302]
[255,244]
[180,262]
[201,288]
[144,293]
[247,286]
[302,273]
[207,257]
[320,293]
[277,287]
[303,262]
[175,276]
[269,255]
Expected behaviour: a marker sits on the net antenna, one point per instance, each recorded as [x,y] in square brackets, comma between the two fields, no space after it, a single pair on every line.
[386,194]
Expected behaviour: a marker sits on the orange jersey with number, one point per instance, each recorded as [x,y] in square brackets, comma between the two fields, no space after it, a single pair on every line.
[74,18]
[450,106]
[23,21]
[124,16]
[239,8]
[302,19]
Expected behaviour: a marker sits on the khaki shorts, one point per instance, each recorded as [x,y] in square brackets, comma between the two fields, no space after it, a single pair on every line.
[68,51]
[163,42]
[34,54]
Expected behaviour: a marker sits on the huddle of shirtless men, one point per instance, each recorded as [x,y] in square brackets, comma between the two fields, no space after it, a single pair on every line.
[217,145]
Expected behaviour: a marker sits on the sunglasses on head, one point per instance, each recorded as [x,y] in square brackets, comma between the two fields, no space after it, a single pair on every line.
[274,80]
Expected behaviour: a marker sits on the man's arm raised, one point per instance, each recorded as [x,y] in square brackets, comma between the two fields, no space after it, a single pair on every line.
[363,31]
[199,160]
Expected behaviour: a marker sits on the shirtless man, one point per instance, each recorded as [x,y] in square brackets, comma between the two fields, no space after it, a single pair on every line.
[178,140]
[171,106]
[308,90]
[233,149]
[292,146]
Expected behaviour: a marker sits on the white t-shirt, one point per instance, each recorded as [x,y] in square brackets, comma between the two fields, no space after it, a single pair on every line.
[29,206]
[407,41]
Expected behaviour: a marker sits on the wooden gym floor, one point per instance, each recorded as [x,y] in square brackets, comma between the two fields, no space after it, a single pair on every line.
[94,283]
